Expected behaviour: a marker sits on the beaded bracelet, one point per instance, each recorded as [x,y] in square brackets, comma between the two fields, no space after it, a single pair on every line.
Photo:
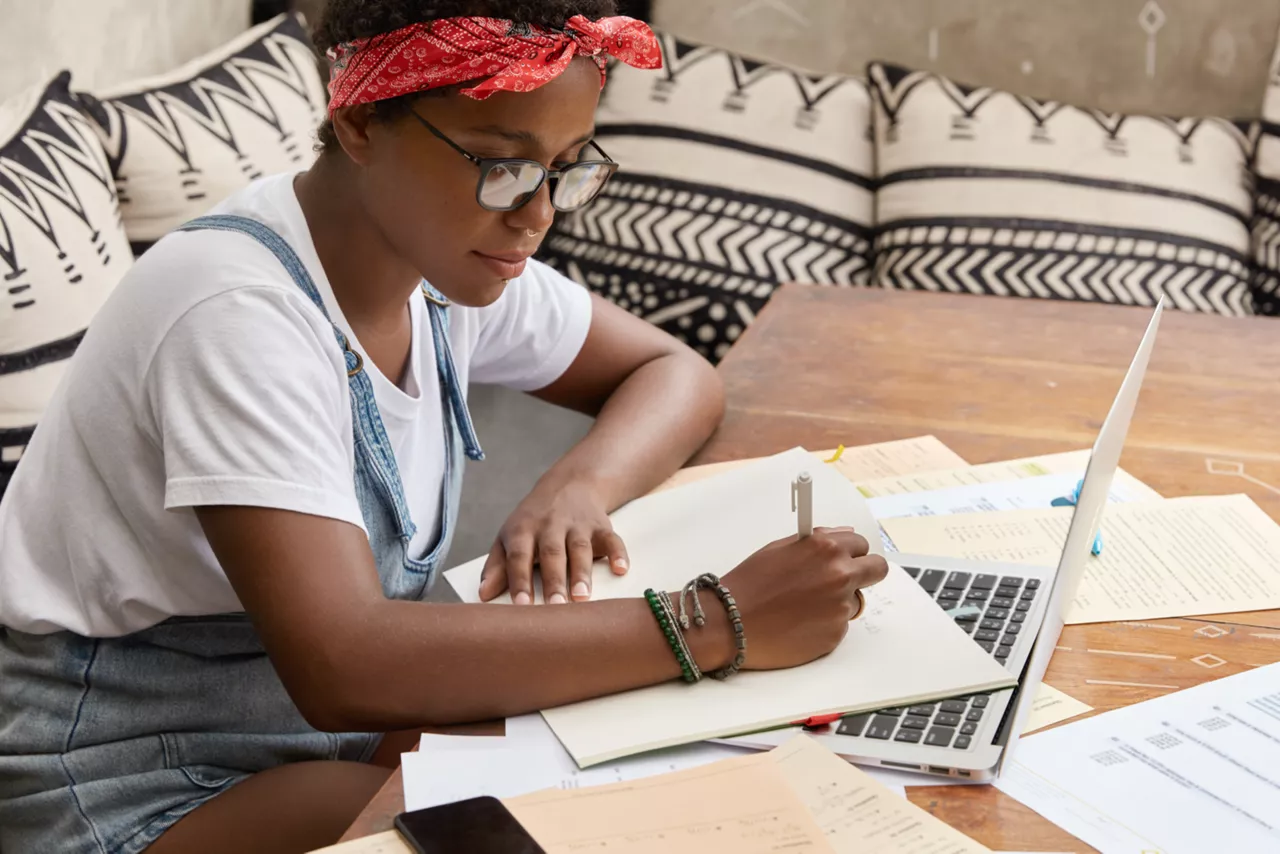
[712,582]
[675,639]
[665,600]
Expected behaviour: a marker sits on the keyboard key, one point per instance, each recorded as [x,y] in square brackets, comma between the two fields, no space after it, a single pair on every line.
[1011,581]
[955,707]
[853,724]
[1008,640]
[932,580]
[987,635]
[925,710]
[958,580]
[963,742]
[1024,606]
[969,729]
[951,596]
[987,645]
[974,715]
[966,626]
[913,571]
[913,722]
[980,701]
[1007,592]
[984,582]
[996,614]
[940,736]
[1002,657]
[1001,603]
[909,736]
[970,618]
[1019,617]
[993,625]
[1028,595]
[1033,584]
[945,719]
[895,712]
[1013,628]
[977,595]
[881,727]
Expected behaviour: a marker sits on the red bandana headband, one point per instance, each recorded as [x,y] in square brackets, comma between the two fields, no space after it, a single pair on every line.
[503,55]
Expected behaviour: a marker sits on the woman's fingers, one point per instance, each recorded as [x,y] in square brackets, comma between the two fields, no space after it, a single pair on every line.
[493,578]
[554,566]
[610,546]
[581,558]
[519,566]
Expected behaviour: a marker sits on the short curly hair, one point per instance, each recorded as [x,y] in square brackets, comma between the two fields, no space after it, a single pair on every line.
[346,20]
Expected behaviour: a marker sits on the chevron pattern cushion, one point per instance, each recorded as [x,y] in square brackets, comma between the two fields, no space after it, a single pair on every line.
[985,192]
[62,250]
[1266,220]
[737,176]
[180,143]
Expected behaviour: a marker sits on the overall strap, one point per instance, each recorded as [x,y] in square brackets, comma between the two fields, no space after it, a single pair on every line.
[371,436]
[437,305]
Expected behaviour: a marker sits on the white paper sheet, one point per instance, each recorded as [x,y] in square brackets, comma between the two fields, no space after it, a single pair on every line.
[1027,492]
[1187,773]
[713,525]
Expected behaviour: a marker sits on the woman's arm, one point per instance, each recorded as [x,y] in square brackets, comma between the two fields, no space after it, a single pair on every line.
[656,402]
[354,661]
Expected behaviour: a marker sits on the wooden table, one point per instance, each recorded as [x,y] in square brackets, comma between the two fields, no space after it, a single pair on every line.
[997,379]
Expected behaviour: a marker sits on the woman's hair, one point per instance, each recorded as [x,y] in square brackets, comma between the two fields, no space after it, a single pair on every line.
[347,20]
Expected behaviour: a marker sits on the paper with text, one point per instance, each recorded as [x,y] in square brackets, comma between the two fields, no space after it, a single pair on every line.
[1071,462]
[1052,706]
[746,808]
[862,462]
[712,526]
[1190,772]
[1176,557]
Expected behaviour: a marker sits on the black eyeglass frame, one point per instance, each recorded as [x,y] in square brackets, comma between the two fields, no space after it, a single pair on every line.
[488,164]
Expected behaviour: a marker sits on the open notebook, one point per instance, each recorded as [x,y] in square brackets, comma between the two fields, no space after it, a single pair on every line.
[904,650]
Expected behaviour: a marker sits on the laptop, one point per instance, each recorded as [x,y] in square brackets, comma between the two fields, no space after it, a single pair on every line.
[1013,612]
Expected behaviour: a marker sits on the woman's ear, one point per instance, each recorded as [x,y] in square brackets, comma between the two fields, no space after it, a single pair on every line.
[351,126]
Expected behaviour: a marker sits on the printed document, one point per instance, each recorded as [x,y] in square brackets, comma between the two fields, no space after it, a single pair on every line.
[1186,773]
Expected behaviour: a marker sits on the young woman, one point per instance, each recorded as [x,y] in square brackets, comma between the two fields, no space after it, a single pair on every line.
[213,553]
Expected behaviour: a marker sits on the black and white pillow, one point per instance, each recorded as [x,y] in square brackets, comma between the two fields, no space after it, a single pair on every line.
[1266,220]
[62,250]
[736,176]
[982,191]
[181,142]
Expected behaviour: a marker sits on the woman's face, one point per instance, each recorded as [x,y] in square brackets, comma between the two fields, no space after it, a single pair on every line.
[421,193]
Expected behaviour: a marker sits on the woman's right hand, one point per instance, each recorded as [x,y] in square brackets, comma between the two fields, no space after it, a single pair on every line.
[796,597]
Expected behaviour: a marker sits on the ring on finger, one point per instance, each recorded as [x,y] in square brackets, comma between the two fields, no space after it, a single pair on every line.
[862,605]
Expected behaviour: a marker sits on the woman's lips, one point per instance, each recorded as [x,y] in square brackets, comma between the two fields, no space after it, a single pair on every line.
[505,266]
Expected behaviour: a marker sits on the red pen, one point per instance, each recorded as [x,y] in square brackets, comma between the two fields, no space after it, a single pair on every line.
[818,720]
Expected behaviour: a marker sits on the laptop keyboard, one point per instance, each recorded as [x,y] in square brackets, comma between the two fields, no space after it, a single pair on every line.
[992,609]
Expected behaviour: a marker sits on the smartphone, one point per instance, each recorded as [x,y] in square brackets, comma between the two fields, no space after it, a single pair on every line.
[477,826]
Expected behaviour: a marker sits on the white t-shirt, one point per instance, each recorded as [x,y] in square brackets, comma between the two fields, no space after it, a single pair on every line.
[209,378]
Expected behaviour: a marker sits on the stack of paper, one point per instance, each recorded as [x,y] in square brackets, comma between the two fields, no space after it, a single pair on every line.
[713,525]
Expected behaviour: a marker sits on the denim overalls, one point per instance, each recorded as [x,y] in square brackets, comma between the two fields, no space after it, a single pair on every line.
[106,742]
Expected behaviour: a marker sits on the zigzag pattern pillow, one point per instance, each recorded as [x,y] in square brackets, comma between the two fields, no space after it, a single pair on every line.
[1266,221]
[181,142]
[62,250]
[986,192]
[736,176]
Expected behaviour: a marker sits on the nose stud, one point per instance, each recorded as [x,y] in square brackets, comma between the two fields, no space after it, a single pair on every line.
[530,232]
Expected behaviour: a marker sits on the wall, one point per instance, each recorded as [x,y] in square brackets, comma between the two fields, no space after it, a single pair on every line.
[107,42]
[1184,57]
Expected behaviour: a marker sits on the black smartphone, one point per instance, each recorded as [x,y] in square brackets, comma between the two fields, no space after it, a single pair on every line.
[477,826]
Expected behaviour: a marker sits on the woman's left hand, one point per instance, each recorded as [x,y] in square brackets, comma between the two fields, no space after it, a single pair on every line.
[561,528]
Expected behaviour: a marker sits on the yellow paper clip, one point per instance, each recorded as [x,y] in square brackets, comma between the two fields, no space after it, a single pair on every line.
[836,457]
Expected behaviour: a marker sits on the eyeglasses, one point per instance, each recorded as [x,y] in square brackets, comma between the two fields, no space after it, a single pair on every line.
[508,183]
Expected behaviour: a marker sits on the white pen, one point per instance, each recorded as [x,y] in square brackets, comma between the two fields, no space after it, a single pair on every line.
[802,503]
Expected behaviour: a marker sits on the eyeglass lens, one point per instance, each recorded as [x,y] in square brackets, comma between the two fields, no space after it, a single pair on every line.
[508,185]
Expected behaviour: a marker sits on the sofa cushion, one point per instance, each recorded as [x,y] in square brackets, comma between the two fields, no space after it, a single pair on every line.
[181,142]
[736,176]
[62,250]
[986,192]
[1266,221]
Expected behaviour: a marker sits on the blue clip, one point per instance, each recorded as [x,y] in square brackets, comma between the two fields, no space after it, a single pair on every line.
[1071,502]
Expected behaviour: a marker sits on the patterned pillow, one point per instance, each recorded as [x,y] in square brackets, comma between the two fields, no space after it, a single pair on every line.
[737,176]
[1266,220]
[982,191]
[62,250]
[181,142]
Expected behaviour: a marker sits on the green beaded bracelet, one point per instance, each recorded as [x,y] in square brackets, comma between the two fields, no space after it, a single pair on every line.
[671,631]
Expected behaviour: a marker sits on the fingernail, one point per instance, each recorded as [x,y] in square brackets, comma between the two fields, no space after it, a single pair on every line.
[557,599]
[523,598]
[580,590]
[621,563]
